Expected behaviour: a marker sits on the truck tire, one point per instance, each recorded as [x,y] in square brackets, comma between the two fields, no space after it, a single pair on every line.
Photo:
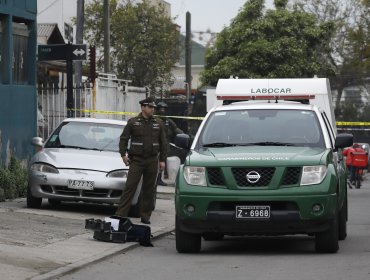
[54,202]
[33,202]
[342,220]
[187,242]
[213,236]
[327,241]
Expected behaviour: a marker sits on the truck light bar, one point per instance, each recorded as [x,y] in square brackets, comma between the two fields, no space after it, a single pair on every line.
[265,97]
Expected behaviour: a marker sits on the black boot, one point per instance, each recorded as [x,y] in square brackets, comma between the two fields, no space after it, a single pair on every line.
[159,180]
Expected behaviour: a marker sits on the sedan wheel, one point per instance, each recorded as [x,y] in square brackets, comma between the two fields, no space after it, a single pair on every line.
[33,202]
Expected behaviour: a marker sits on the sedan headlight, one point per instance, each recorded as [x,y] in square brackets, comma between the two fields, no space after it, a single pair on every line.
[195,175]
[45,168]
[313,175]
[117,174]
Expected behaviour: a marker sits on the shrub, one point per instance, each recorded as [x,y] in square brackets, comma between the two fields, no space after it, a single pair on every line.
[13,180]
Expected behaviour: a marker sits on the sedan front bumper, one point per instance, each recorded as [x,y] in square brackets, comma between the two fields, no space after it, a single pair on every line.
[55,186]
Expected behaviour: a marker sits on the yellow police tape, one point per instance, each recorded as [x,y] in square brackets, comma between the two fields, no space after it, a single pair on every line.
[194,118]
[353,123]
[132,114]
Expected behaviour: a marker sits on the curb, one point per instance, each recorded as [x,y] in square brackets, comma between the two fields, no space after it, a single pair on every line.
[96,258]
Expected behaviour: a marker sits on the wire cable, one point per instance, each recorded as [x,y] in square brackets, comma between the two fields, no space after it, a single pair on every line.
[39,13]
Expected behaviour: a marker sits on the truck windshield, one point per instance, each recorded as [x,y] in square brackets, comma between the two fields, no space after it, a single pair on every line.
[277,127]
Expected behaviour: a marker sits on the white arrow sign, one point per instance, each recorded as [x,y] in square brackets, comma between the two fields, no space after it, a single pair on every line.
[78,52]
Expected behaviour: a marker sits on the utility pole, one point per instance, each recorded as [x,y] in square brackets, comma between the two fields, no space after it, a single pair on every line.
[79,40]
[106,37]
[188,77]
[70,100]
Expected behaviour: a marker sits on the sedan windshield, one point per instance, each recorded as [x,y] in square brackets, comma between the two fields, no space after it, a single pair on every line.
[262,128]
[86,135]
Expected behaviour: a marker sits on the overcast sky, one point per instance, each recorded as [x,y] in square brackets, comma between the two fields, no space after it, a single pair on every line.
[205,14]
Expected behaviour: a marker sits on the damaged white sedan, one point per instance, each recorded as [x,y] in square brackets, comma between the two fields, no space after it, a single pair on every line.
[79,162]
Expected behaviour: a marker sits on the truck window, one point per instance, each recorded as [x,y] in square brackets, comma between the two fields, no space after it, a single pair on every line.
[248,127]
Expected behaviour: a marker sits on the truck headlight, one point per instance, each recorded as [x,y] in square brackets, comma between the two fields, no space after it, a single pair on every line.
[313,175]
[117,174]
[45,168]
[195,175]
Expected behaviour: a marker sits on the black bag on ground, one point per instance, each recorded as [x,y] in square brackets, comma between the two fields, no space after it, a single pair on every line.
[112,236]
[97,225]
[125,223]
[141,234]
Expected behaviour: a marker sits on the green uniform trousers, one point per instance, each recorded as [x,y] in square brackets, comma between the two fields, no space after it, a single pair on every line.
[148,168]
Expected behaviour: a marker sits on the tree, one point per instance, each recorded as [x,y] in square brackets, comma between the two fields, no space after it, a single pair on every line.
[144,40]
[350,43]
[273,44]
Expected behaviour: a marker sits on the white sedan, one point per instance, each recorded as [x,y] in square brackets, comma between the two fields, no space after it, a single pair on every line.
[79,162]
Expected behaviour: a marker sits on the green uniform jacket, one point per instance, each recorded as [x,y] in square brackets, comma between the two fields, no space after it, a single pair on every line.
[171,128]
[148,138]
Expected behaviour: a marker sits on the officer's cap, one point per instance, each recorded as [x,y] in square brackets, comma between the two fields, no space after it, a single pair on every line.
[148,102]
[162,105]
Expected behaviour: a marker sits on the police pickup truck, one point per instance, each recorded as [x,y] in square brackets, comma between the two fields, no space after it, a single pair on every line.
[264,165]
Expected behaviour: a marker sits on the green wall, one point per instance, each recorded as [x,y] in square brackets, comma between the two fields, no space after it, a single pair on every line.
[18,113]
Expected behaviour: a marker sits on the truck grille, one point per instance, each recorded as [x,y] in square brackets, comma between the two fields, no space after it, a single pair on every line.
[291,176]
[265,173]
[215,176]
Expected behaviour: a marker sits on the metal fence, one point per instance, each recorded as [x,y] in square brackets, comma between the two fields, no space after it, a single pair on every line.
[112,98]
[52,108]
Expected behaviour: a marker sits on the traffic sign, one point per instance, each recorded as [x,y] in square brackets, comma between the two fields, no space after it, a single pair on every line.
[78,52]
[60,52]
[52,52]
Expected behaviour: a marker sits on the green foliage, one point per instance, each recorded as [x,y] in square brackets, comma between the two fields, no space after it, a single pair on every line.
[276,44]
[13,180]
[144,40]
[350,54]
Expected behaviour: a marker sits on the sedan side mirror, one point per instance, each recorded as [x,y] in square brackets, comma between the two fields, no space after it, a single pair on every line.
[37,142]
[183,141]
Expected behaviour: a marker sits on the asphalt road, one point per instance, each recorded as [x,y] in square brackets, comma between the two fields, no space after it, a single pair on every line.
[274,258]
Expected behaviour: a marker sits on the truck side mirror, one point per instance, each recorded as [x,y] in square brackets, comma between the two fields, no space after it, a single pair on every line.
[343,140]
[183,141]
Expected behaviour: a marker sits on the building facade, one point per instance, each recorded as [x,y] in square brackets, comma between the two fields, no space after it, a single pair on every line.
[18,35]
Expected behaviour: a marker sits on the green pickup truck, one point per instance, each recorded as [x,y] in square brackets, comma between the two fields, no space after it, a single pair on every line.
[264,167]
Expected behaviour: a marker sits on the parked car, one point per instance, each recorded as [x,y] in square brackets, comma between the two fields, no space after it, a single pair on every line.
[79,162]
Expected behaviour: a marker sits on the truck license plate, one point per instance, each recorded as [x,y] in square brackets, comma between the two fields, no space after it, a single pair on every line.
[252,212]
[80,184]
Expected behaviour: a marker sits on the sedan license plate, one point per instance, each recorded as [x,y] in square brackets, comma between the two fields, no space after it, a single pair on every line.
[252,212]
[80,184]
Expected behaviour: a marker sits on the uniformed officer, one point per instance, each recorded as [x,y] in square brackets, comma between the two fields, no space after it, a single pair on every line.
[171,131]
[148,145]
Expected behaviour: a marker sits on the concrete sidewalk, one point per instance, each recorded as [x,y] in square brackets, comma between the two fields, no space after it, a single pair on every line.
[23,256]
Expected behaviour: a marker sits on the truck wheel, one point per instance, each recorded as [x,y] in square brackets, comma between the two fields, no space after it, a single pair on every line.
[213,236]
[33,202]
[342,220]
[54,202]
[187,242]
[327,241]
